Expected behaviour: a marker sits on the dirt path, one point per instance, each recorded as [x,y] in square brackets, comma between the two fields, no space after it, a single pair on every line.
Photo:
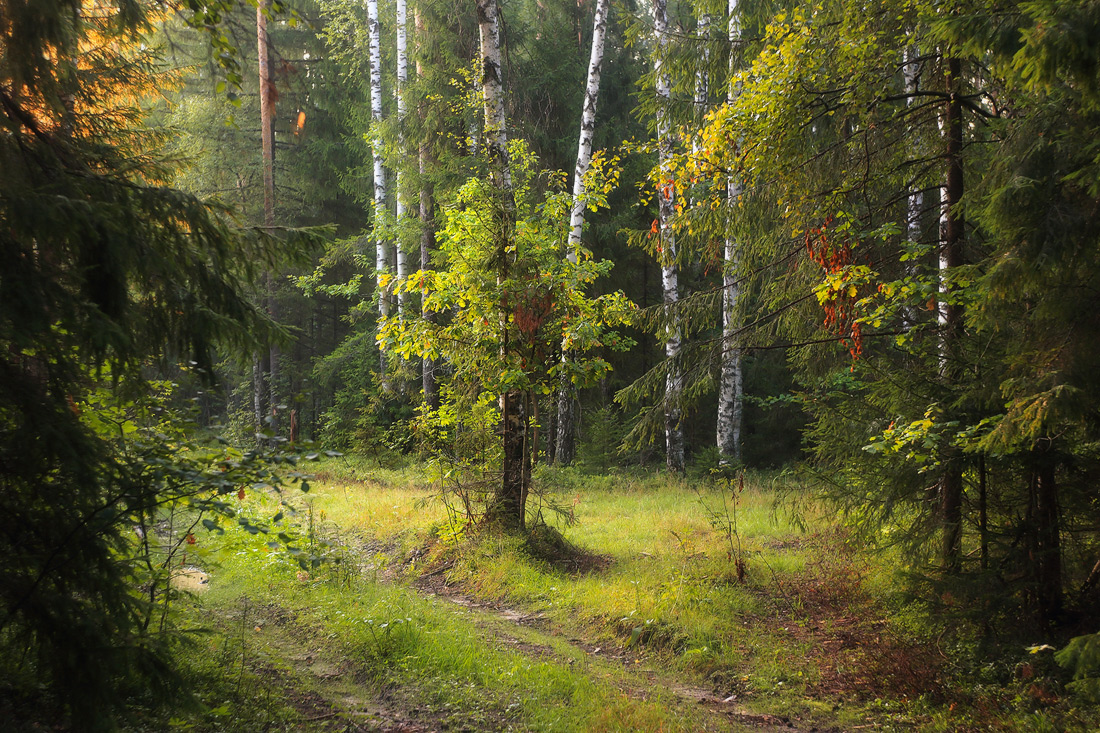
[634,672]
[329,693]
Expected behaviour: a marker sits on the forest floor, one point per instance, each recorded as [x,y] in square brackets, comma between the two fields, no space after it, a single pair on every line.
[664,608]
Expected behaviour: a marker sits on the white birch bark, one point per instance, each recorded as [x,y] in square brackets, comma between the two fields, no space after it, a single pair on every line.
[492,94]
[588,127]
[670,275]
[565,443]
[730,380]
[402,82]
[915,202]
[702,74]
[381,261]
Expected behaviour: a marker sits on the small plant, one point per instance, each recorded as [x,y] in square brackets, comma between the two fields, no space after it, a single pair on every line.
[723,516]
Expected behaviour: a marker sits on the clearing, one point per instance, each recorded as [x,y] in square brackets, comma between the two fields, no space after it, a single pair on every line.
[661,606]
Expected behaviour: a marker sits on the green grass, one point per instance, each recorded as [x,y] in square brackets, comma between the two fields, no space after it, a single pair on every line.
[667,585]
[446,667]
[649,600]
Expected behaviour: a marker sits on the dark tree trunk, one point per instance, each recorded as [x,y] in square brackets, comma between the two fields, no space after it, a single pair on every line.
[428,381]
[506,508]
[983,513]
[951,483]
[1047,543]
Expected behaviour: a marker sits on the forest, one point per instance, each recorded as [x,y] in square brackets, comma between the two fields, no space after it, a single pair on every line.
[657,365]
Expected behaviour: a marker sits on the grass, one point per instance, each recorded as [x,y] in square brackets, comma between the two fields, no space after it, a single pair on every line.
[621,620]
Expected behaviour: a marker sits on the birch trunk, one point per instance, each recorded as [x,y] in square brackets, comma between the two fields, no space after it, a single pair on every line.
[730,380]
[915,202]
[670,275]
[506,508]
[702,74]
[565,445]
[402,82]
[381,261]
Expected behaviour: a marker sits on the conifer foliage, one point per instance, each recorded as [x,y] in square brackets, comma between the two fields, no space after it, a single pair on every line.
[102,269]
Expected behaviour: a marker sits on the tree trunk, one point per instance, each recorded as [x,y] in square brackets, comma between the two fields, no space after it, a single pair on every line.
[1047,543]
[565,443]
[951,483]
[670,275]
[506,509]
[399,189]
[915,200]
[259,392]
[983,514]
[914,208]
[266,381]
[730,380]
[381,260]
[267,111]
[428,380]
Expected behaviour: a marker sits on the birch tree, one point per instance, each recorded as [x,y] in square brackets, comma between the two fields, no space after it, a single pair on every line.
[566,436]
[674,433]
[381,261]
[730,384]
[402,83]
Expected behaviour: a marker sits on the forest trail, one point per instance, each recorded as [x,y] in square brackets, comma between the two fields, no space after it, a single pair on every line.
[330,692]
[634,671]
[326,688]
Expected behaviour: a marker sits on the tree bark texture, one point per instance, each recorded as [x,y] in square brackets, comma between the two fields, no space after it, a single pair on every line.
[381,260]
[565,444]
[399,188]
[428,381]
[268,379]
[730,379]
[670,275]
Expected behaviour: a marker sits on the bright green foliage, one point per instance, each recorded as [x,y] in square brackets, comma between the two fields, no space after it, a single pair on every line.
[540,304]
